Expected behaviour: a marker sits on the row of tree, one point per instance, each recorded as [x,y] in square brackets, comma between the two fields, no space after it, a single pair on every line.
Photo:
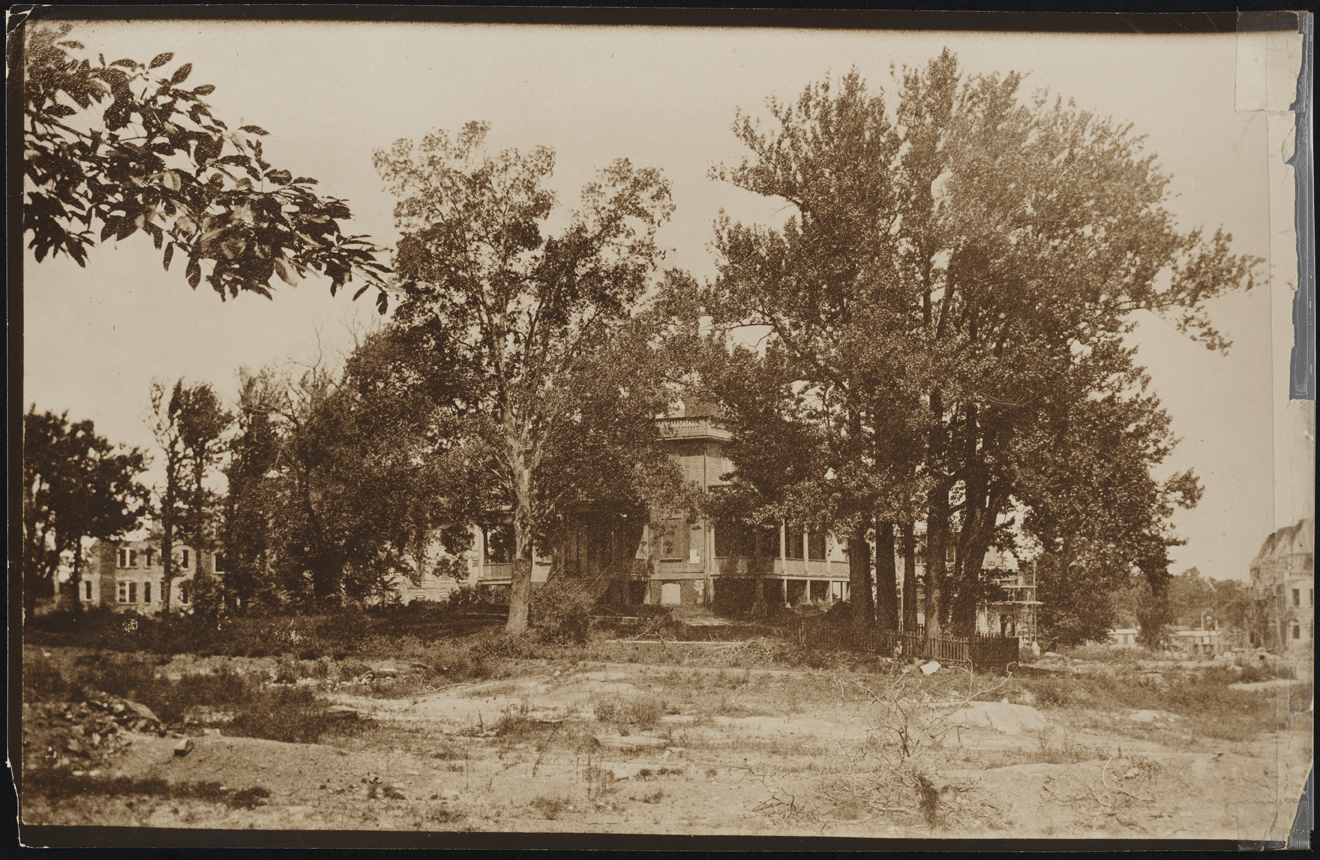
[937,335]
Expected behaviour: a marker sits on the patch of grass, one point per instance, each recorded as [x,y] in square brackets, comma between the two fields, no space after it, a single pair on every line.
[42,679]
[54,785]
[655,795]
[515,724]
[640,711]
[1210,707]
[1058,748]
[550,807]
[290,715]
[445,815]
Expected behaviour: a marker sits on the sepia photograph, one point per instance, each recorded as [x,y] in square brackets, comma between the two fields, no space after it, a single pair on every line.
[520,426]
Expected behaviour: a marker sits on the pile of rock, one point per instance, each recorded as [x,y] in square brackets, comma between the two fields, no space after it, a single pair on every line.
[75,732]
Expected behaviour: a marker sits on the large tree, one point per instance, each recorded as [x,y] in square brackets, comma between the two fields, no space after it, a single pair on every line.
[75,485]
[823,287]
[112,149]
[188,422]
[340,477]
[990,245]
[520,311]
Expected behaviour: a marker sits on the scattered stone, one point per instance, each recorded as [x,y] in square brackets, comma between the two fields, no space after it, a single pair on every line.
[96,771]
[141,710]
[451,794]
[930,668]
[343,712]
[386,672]
[80,773]
[183,747]
[214,733]
[74,747]
[372,779]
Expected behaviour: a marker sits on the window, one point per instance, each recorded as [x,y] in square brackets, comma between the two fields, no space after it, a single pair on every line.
[669,533]
[793,537]
[128,558]
[132,592]
[1297,631]
[770,541]
[184,563]
[123,592]
[816,546]
[183,592]
[87,589]
[149,553]
[146,592]
[499,543]
[1297,597]
[219,563]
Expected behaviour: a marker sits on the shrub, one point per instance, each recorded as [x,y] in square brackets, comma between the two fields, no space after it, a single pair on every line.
[561,612]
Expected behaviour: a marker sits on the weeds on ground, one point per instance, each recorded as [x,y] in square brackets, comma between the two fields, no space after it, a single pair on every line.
[641,712]
[551,807]
[60,786]
[1205,700]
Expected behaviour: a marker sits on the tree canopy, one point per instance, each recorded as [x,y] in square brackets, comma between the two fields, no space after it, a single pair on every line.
[954,285]
[111,149]
[75,485]
[517,311]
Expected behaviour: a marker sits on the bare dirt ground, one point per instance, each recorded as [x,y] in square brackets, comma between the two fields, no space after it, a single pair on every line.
[629,748]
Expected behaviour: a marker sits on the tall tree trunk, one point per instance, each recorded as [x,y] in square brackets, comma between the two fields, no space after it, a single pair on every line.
[859,580]
[76,579]
[326,576]
[167,537]
[886,577]
[520,589]
[909,578]
[937,522]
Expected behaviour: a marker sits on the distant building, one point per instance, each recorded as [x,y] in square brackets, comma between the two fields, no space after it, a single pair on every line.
[1283,575]
[1123,637]
[1013,613]
[129,575]
[1200,643]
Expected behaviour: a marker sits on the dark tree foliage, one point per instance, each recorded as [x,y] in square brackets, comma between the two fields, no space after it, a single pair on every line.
[339,481]
[187,421]
[954,283]
[112,149]
[518,312]
[75,485]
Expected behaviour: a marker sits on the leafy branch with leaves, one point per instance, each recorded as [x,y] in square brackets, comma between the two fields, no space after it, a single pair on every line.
[113,149]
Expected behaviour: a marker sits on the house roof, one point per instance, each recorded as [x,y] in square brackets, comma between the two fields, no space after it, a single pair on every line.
[1296,539]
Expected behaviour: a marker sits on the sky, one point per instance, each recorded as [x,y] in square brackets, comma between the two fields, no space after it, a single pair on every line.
[332,93]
